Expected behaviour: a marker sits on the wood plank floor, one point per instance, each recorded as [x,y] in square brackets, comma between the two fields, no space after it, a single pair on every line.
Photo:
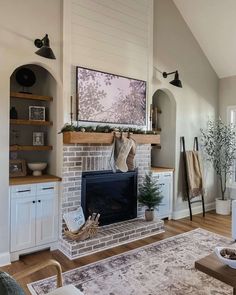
[212,222]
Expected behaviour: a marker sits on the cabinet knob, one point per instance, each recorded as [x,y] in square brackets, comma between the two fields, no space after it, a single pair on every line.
[33,202]
[39,201]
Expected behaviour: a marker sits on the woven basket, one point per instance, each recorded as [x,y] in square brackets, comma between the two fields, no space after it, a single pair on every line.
[84,233]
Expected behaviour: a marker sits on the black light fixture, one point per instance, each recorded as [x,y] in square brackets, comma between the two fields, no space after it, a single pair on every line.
[176,82]
[44,45]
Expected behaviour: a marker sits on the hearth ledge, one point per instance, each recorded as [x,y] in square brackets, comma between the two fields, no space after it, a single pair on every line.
[110,236]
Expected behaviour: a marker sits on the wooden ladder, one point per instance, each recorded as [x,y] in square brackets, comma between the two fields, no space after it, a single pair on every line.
[190,201]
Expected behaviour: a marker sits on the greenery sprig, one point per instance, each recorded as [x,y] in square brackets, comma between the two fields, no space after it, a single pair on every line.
[103,129]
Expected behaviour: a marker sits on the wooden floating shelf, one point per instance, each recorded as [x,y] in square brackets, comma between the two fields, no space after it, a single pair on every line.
[15,148]
[33,179]
[30,122]
[106,138]
[156,129]
[156,146]
[146,138]
[30,96]
[162,169]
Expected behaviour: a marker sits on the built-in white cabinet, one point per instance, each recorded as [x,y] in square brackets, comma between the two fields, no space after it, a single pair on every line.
[165,183]
[34,217]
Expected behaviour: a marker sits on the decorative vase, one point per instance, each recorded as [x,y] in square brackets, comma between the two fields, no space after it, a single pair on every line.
[37,168]
[149,214]
[223,206]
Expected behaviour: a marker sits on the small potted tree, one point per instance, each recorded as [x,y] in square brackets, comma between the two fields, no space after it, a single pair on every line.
[219,145]
[149,196]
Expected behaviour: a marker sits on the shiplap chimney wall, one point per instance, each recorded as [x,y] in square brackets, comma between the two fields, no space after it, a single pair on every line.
[108,35]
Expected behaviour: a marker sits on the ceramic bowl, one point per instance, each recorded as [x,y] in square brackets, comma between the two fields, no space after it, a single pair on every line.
[37,168]
[230,262]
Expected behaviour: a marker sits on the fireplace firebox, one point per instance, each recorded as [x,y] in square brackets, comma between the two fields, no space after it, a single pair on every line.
[113,195]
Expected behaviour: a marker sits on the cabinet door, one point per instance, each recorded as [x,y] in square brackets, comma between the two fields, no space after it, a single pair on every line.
[46,219]
[23,212]
[164,181]
[164,207]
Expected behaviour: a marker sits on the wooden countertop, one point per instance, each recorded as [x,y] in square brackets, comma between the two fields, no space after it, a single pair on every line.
[162,169]
[33,179]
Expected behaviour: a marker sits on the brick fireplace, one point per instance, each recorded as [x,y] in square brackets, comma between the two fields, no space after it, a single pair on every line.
[79,158]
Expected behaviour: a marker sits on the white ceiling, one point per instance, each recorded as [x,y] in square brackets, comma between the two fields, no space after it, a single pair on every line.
[213,24]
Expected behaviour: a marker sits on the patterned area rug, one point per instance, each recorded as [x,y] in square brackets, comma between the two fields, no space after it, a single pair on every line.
[162,268]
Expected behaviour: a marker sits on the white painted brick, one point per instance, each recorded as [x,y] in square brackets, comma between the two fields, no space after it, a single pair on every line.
[95,157]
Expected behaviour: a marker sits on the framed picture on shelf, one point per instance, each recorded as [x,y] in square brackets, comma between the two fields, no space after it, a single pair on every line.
[37,113]
[38,138]
[17,168]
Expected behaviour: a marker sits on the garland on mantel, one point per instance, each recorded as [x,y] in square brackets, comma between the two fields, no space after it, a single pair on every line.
[103,129]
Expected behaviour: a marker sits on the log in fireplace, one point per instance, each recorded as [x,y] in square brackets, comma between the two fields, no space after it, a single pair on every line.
[113,195]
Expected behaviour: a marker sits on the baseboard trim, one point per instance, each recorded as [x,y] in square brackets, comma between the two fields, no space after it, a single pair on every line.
[195,210]
[5,259]
[14,256]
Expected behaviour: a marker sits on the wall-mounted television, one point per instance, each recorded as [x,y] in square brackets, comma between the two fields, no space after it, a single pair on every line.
[109,98]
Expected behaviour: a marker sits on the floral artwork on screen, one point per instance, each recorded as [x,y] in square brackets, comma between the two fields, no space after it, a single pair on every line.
[108,98]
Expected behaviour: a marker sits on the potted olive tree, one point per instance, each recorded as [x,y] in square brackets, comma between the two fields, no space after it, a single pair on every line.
[149,196]
[219,145]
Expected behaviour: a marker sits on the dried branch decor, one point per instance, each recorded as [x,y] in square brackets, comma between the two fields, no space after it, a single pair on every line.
[88,230]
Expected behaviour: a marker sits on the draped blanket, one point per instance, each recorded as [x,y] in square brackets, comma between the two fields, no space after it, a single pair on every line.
[194,174]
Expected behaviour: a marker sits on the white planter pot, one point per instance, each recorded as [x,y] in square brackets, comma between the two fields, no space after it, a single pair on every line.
[223,207]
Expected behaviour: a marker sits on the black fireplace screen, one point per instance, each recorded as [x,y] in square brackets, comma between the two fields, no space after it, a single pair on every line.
[113,195]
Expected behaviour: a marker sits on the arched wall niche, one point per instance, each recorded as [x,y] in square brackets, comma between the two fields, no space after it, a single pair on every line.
[9,62]
[166,156]
[47,83]
[45,66]
[44,84]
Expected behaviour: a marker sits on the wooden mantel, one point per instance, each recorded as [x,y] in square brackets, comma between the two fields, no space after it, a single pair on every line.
[106,138]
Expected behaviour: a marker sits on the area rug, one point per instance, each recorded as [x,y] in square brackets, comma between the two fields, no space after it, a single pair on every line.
[162,268]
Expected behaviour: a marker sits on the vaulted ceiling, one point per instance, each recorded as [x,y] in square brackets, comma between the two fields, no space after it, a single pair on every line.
[213,24]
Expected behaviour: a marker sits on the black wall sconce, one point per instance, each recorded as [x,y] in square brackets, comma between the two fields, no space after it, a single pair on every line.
[176,82]
[44,45]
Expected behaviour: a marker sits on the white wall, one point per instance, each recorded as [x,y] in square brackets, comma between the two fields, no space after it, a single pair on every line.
[20,23]
[107,35]
[227,95]
[176,49]
[167,123]
[227,98]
